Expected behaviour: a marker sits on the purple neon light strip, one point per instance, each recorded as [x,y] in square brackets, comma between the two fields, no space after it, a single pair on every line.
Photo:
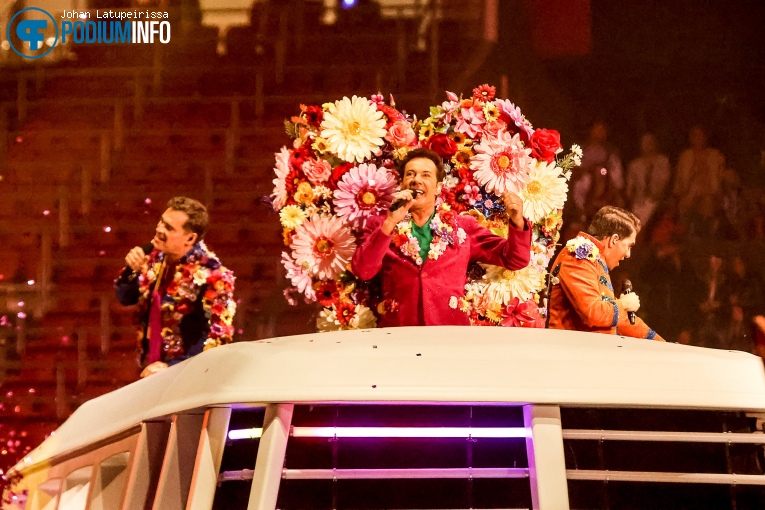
[393,432]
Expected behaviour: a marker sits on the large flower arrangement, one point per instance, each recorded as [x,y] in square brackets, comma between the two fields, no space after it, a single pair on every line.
[341,169]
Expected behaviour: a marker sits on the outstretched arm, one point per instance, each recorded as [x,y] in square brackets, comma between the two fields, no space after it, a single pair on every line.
[485,246]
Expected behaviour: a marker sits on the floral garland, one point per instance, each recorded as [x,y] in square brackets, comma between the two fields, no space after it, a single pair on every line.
[445,233]
[198,269]
[341,169]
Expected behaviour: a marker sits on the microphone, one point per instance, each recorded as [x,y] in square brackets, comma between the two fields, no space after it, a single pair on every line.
[628,290]
[147,248]
[398,203]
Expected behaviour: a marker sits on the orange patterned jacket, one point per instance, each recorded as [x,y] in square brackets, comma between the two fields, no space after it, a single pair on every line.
[582,296]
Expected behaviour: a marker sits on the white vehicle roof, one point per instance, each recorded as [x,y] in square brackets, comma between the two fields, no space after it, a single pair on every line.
[426,365]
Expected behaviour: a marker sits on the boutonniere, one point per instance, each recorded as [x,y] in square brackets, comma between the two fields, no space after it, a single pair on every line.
[583,248]
[445,233]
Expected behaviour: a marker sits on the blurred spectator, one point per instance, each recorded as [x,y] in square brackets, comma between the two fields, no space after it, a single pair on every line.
[732,202]
[667,230]
[714,295]
[707,222]
[746,288]
[758,324]
[699,171]
[672,291]
[600,179]
[756,229]
[647,179]
[737,335]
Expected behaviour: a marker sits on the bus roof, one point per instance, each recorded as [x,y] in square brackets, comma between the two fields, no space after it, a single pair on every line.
[426,365]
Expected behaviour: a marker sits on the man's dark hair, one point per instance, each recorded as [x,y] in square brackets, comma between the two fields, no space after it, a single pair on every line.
[610,220]
[427,154]
[198,220]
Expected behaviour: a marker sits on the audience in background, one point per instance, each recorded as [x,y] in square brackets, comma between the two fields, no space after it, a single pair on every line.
[702,278]
[599,181]
[647,179]
[699,171]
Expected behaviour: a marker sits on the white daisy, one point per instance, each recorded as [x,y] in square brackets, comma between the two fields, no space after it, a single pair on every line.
[504,284]
[353,128]
[545,192]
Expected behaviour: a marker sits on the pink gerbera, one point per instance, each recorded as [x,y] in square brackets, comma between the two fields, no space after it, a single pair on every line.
[364,191]
[501,163]
[282,169]
[298,276]
[514,119]
[323,246]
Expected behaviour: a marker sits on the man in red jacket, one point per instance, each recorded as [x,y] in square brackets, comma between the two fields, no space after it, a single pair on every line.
[582,296]
[422,252]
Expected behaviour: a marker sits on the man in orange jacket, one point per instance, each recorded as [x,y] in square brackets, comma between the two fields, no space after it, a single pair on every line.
[582,296]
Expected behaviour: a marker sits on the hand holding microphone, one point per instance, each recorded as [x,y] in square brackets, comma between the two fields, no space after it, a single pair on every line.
[138,256]
[402,201]
[403,197]
[630,301]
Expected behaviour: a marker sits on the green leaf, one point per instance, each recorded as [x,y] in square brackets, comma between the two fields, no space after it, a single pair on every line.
[291,129]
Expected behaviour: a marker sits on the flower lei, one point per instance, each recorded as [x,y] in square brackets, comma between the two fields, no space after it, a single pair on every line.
[583,248]
[197,270]
[445,233]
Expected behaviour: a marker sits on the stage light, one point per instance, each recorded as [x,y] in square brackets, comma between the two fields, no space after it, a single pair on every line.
[392,432]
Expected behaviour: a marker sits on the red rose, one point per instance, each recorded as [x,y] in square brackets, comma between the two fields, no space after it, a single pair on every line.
[545,144]
[338,173]
[183,308]
[443,145]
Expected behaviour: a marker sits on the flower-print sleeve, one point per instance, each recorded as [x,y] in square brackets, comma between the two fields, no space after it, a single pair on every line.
[220,307]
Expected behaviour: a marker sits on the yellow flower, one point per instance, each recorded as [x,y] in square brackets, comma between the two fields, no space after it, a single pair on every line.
[463,155]
[304,193]
[401,153]
[426,131]
[320,145]
[292,217]
[491,112]
[494,312]
[459,138]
